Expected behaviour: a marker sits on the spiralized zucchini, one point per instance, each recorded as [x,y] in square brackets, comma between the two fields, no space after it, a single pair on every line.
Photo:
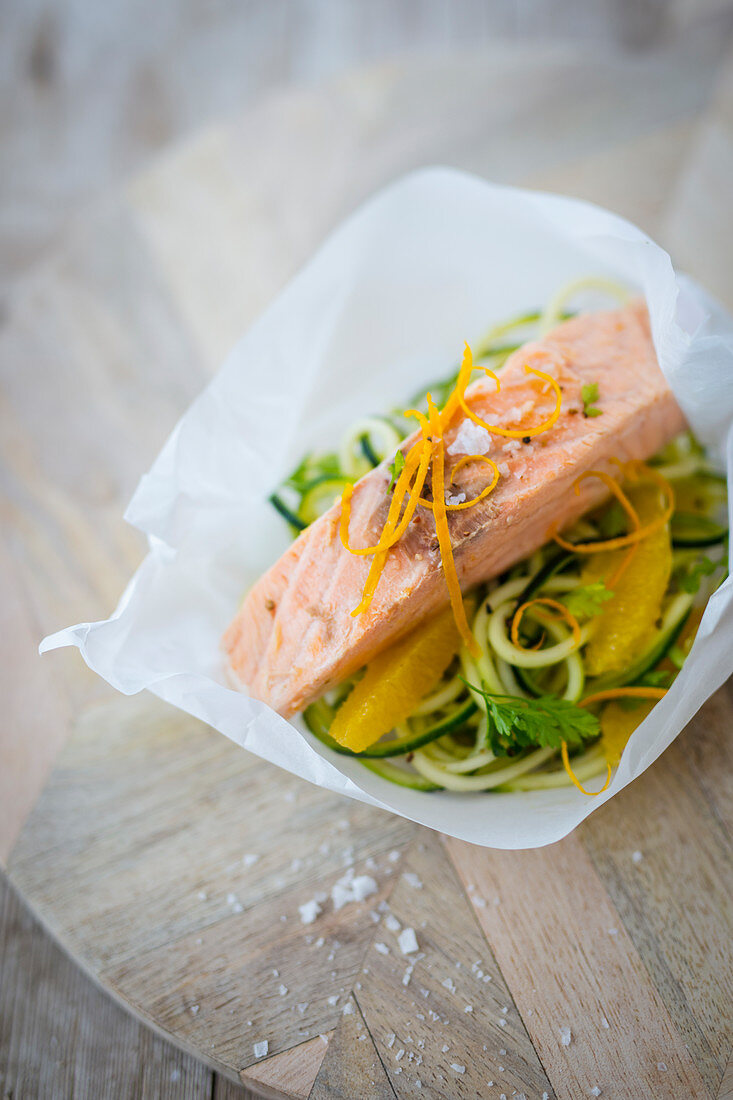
[449,742]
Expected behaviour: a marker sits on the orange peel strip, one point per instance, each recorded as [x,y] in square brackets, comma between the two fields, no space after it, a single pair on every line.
[576,781]
[563,613]
[620,693]
[474,500]
[633,536]
[443,533]
[519,433]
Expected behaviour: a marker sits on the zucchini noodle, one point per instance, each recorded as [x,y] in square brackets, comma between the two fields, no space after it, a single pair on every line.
[451,740]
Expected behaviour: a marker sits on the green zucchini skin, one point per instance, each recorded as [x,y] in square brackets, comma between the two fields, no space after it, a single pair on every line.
[280,506]
[318,717]
[701,531]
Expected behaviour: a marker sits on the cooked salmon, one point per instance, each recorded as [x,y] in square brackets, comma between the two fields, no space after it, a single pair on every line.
[294,636]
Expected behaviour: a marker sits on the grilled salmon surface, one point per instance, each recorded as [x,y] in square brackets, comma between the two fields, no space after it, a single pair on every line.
[294,636]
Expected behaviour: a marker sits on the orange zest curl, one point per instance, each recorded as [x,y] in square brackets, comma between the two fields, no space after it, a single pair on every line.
[573,776]
[562,613]
[443,533]
[518,433]
[623,692]
[638,470]
[428,452]
[474,500]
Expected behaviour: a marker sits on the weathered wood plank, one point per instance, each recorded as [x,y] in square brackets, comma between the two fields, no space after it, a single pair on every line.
[659,831]
[61,1036]
[573,969]
[447,1007]
[352,1066]
[194,909]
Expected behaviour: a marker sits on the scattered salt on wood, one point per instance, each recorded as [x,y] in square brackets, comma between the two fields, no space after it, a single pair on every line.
[309,911]
[261,1049]
[412,879]
[566,1036]
[381,948]
[407,941]
[456,1068]
[283,990]
[449,984]
[392,923]
[250,859]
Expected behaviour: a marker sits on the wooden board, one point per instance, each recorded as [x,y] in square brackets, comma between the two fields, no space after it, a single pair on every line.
[554,972]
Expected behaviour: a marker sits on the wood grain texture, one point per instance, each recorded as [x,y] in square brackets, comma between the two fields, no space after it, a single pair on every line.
[49,1046]
[351,1066]
[134,853]
[547,917]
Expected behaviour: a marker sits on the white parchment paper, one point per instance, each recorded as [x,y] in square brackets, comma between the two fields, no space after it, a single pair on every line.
[383,307]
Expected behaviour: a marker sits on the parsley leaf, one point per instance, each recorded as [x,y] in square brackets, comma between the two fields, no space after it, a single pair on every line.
[587,600]
[590,394]
[692,580]
[396,469]
[516,723]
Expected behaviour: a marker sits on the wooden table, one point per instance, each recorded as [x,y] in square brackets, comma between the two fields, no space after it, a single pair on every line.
[132,829]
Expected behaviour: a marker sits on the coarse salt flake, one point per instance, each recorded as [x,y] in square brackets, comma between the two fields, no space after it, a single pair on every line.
[261,1048]
[470,439]
[309,911]
[407,941]
[566,1036]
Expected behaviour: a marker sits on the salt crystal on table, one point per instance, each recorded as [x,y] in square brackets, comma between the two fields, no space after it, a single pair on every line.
[363,886]
[348,1009]
[296,864]
[250,859]
[605,1023]
[381,948]
[637,856]
[662,1067]
[399,1054]
[302,1006]
[446,1048]
[194,1010]
[283,990]
[565,1036]
[412,879]
[502,1022]
[394,856]
[333,1000]
[261,1049]
[309,911]
[456,1068]
[468,1008]
[392,923]
[448,984]
[390,1039]
[203,895]
[595,1091]
[504,1010]
[407,941]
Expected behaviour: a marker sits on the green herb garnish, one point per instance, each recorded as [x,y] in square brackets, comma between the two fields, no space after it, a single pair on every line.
[590,394]
[587,600]
[516,723]
[396,469]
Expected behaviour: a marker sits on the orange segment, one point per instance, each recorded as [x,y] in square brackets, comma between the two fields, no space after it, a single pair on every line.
[627,620]
[395,682]
[617,725]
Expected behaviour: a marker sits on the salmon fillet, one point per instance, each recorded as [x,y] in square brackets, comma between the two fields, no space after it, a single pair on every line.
[294,637]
